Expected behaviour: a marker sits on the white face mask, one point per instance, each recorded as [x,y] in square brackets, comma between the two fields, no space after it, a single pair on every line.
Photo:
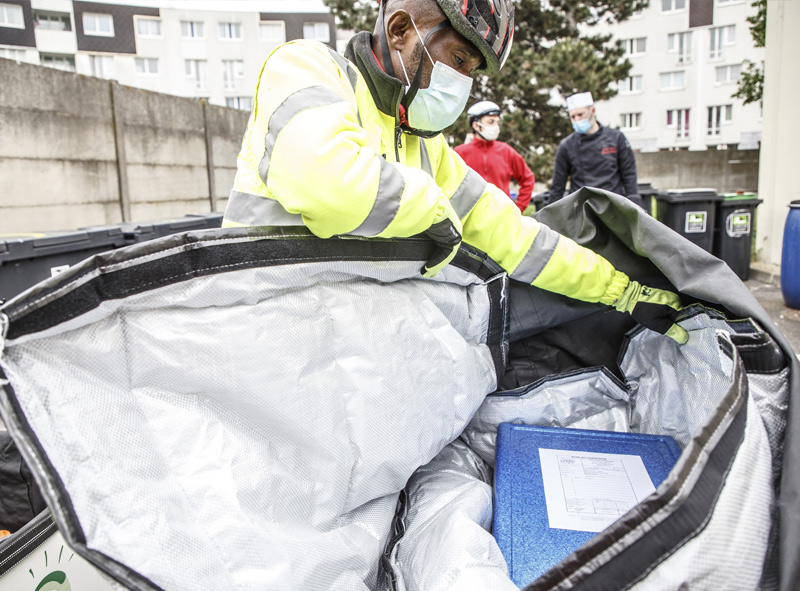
[438,106]
[489,132]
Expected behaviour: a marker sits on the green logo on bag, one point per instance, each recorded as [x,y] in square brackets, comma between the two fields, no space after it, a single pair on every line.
[56,580]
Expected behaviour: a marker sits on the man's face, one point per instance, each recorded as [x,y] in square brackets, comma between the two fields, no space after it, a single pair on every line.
[486,121]
[445,46]
[576,115]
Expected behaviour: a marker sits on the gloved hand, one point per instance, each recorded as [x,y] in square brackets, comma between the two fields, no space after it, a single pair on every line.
[653,308]
[447,236]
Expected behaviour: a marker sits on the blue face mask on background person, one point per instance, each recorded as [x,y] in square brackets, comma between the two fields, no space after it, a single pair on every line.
[582,126]
[438,106]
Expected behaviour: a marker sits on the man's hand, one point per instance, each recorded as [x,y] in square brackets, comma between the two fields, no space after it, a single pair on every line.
[653,308]
[447,236]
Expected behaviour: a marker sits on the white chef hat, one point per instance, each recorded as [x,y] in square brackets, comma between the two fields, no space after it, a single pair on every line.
[580,100]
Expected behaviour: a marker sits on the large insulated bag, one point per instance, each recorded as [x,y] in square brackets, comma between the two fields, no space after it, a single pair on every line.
[262,409]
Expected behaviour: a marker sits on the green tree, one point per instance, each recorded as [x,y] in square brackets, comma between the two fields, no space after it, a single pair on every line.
[551,56]
[751,84]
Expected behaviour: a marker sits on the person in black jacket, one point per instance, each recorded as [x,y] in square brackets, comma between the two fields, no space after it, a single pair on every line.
[593,156]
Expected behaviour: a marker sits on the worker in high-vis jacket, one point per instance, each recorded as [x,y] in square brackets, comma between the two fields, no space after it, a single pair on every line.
[352,145]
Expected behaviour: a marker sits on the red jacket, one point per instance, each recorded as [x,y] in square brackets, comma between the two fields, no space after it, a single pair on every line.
[498,163]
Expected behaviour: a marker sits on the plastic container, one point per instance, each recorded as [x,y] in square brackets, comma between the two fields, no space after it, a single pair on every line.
[27,259]
[733,239]
[647,192]
[555,488]
[691,213]
[38,557]
[790,259]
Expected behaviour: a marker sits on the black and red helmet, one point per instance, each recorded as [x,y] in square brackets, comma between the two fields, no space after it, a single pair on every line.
[488,24]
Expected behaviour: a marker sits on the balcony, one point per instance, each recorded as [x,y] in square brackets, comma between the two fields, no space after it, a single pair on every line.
[52,41]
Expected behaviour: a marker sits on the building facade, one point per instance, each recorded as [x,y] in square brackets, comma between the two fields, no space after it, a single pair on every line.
[191,48]
[687,57]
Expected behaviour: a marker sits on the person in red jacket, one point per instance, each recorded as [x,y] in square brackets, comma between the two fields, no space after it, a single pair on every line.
[495,161]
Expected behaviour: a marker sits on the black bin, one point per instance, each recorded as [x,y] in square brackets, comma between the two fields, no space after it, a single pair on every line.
[139,232]
[27,259]
[136,232]
[647,192]
[733,241]
[691,213]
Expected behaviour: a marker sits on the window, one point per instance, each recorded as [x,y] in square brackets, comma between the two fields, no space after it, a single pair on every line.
[239,102]
[680,43]
[630,84]
[11,16]
[13,54]
[630,120]
[231,69]
[196,70]
[635,46]
[192,30]
[672,5]
[272,31]
[148,27]
[679,119]
[317,32]
[717,116]
[147,66]
[721,36]
[101,66]
[230,31]
[57,61]
[52,21]
[671,80]
[98,24]
[730,73]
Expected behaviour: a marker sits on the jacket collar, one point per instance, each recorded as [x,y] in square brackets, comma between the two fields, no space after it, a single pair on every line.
[387,91]
[584,137]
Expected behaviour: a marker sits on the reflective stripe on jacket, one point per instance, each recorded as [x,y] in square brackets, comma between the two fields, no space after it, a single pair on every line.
[317,151]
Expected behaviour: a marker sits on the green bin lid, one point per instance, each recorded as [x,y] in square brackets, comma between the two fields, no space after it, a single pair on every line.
[739,196]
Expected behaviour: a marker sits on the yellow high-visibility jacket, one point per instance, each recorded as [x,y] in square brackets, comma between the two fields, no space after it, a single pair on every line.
[323,148]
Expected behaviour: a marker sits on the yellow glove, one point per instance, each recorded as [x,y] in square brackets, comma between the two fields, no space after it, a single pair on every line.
[653,308]
[447,237]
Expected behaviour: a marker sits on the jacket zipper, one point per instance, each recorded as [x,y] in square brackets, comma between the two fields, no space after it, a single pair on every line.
[398,142]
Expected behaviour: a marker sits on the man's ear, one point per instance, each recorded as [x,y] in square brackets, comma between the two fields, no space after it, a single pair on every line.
[397,27]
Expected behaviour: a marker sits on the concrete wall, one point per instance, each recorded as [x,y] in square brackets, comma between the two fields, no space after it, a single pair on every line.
[779,146]
[78,151]
[724,170]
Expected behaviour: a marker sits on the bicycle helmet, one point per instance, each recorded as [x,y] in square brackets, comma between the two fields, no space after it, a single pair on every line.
[480,109]
[487,24]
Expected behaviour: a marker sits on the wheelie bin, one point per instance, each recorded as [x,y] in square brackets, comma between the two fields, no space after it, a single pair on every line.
[691,213]
[735,224]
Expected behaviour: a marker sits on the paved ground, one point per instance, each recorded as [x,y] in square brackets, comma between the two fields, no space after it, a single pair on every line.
[768,293]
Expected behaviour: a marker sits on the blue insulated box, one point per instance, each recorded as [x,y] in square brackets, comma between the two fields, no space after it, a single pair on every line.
[555,488]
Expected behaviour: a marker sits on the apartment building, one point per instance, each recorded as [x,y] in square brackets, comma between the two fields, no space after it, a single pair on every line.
[687,58]
[194,48]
